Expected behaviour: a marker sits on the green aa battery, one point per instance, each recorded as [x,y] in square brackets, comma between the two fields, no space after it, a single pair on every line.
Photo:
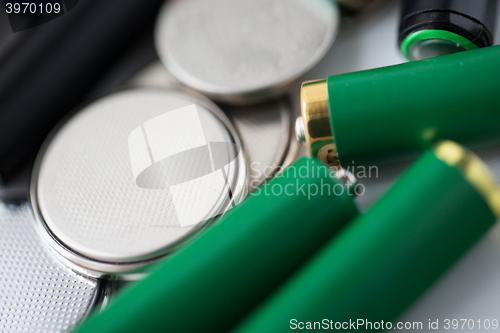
[386,258]
[211,283]
[393,113]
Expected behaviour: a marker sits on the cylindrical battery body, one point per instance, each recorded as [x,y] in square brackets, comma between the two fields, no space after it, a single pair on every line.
[392,113]
[51,72]
[431,28]
[386,258]
[211,283]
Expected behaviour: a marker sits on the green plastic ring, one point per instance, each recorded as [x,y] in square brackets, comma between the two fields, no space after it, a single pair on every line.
[435,34]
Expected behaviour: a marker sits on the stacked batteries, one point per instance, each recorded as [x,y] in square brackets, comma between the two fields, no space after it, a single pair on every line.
[146,163]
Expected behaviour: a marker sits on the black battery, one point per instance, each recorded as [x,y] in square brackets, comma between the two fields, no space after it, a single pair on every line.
[431,28]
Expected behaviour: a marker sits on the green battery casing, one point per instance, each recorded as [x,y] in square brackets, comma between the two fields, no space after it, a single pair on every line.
[393,113]
[212,282]
[386,258]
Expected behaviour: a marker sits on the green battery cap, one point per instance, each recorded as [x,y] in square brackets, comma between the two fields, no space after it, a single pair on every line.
[212,282]
[394,113]
[424,44]
[385,259]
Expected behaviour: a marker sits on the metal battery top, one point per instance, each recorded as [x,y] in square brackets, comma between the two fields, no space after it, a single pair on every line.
[240,51]
[37,292]
[132,176]
[265,129]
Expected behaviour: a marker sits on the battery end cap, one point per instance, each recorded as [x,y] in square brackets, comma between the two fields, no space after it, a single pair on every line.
[315,113]
[474,170]
[429,43]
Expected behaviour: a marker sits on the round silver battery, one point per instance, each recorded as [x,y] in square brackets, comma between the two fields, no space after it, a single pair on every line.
[265,129]
[240,51]
[134,175]
[266,133]
[38,293]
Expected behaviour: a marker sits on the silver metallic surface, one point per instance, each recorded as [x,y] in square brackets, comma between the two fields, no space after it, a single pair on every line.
[348,178]
[134,175]
[265,129]
[37,293]
[266,133]
[299,130]
[241,51]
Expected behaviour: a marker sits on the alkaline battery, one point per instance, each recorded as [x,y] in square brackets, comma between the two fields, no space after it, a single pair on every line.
[233,265]
[393,113]
[385,259]
[438,27]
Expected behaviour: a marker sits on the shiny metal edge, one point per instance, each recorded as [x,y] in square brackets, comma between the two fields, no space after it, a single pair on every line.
[316,116]
[474,170]
[243,97]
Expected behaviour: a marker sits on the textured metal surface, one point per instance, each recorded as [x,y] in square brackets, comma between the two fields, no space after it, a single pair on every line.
[105,203]
[265,129]
[265,132]
[239,50]
[37,294]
